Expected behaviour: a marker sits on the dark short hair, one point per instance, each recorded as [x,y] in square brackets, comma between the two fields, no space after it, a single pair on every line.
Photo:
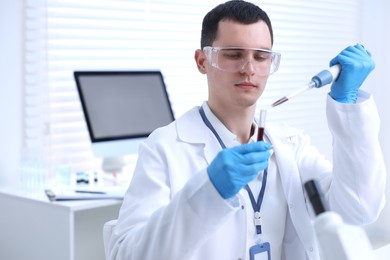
[235,10]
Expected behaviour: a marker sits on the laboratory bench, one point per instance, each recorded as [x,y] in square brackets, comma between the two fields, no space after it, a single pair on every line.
[32,227]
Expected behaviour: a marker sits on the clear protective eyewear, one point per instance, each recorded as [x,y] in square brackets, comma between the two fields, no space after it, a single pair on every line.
[235,59]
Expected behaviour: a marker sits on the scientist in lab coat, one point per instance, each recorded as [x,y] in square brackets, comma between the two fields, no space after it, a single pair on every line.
[204,188]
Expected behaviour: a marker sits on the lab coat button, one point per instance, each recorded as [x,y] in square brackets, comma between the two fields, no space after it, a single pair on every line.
[242,207]
[311,249]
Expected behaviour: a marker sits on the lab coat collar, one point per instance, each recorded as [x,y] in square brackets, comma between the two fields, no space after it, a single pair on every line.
[191,129]
[228,138]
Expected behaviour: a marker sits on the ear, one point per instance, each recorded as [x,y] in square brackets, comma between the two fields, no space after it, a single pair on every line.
[200,60]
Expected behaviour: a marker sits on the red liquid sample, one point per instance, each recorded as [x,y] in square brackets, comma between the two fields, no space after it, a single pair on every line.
[260,134]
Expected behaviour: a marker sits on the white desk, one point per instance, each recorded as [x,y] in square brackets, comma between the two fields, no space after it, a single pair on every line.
[32,227]
[382,253]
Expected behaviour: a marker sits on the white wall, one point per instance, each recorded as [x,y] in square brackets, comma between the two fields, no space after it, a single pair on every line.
[11,13]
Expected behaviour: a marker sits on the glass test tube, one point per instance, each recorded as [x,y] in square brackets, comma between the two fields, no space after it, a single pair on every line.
[261,124]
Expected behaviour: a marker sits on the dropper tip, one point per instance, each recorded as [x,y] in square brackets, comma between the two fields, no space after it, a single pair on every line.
[279,102]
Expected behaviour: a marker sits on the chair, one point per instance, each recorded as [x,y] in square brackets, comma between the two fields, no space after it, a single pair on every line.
[107,232]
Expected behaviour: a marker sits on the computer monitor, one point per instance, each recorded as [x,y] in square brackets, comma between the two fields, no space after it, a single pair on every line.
[121,109]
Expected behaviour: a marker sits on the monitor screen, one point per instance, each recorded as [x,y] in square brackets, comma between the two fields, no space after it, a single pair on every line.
[122,106]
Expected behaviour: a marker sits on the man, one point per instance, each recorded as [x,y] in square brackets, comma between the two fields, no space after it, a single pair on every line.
[204,188]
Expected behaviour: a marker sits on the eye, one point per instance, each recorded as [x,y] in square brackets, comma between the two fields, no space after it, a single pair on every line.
[232,54]
[262,56]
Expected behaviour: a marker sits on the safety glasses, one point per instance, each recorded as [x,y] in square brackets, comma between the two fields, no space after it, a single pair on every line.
[235,59]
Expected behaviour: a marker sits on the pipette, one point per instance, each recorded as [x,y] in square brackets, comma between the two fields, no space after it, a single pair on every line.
[321,79]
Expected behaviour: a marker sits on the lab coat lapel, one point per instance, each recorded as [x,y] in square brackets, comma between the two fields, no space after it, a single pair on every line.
[291,182]
[191,129]
[211,149]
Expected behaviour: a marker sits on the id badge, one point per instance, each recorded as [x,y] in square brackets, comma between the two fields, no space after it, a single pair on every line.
[260,252]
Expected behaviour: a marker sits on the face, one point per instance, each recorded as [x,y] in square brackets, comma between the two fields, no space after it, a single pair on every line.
[236,89]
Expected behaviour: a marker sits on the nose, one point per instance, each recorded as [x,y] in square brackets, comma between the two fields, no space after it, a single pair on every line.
[248,68]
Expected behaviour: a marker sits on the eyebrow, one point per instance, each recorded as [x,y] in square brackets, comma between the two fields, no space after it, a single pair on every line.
[243,48]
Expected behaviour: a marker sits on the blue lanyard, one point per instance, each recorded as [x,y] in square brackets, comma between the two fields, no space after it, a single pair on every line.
[255,205]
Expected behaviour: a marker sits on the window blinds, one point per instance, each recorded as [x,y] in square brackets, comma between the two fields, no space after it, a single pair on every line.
[62,36]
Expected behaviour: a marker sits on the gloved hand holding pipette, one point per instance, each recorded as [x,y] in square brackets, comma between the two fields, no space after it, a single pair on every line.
[356,64]
[347,72]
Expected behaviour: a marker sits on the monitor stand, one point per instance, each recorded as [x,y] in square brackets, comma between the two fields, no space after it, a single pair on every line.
[113,164]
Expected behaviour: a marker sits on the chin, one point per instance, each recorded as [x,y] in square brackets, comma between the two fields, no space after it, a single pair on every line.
[247,102]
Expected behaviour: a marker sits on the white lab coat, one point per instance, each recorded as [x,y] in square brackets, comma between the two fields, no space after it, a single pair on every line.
[172,210]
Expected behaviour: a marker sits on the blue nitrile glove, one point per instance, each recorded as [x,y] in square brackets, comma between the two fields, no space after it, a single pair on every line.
[356,64]
[235,167]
